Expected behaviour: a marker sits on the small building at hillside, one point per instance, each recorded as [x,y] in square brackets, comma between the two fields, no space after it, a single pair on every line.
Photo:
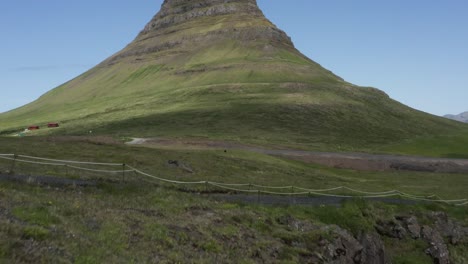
[52,125]
[33,127]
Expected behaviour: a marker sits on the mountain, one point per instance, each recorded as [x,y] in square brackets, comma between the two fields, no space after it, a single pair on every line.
[463,117]
[219,69]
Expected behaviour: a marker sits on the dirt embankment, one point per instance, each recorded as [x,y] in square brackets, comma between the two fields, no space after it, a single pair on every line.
[356,161]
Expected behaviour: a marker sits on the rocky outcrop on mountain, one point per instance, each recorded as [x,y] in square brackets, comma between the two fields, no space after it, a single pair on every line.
[463,117]
[174,12]
[183,25]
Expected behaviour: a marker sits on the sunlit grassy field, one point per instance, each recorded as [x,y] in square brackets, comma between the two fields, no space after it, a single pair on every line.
[233,166]
[142,220]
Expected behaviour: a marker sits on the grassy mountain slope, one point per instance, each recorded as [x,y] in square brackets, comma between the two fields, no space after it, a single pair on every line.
[221,70]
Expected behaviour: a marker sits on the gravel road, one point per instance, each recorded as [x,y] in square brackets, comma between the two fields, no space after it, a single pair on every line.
[356,161]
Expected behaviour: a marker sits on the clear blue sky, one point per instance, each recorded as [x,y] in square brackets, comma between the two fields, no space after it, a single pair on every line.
[416,51]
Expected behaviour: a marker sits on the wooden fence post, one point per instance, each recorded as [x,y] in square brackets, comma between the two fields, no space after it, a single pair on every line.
[12,169]
[123,172]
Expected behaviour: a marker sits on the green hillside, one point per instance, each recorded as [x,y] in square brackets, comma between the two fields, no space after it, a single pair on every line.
[221,70]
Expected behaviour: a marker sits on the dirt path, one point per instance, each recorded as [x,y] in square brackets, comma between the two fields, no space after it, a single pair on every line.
[356,161]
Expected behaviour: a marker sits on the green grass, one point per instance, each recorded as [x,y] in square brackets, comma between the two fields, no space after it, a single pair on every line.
[216,165]
[41,215]
[410,252]
[36,233]
[446,146]
[147,222]
[351,216]
[248,118]
[137,221]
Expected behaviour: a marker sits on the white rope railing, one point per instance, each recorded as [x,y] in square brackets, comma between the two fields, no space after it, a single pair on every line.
[164,180]
[272,187]
[416,196]
[64,163]
[34,162]
[71,161]
[6,157]
[237,187]
[434,200]
[370,193]
[93,170]
[320,190]
[232,184]
[232,189]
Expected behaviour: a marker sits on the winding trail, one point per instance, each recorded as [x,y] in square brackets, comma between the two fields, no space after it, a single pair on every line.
[356,161]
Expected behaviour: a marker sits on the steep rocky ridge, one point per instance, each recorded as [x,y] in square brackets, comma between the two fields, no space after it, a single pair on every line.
[181,25]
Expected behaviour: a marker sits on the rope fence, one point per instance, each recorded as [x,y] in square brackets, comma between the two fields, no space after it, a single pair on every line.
[30,165]
[70,161]
[236,187]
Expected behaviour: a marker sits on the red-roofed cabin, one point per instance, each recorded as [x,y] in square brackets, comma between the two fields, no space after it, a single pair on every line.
[33,127]
[53,125]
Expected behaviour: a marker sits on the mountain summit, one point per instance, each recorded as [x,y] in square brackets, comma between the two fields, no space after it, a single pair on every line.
[215,36]
[220,69]
[183,26]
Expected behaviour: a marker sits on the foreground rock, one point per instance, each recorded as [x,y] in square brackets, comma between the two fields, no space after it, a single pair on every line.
[367,248]
[436,234]
[438,249]
[342,247]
